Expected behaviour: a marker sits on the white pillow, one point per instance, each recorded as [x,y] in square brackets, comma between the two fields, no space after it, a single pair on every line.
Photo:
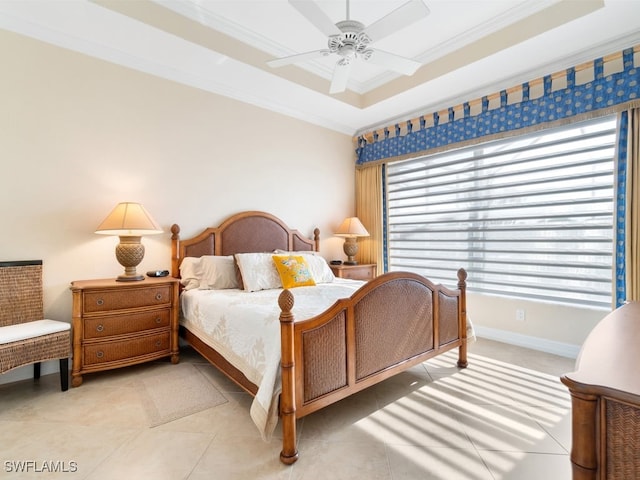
[189,276]
[217,273]
[258,271]
[319,267]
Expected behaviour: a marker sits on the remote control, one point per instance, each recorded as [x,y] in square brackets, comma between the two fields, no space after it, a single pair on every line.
[158,273]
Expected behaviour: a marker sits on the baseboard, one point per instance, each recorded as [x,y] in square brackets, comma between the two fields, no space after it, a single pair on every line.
[535,343]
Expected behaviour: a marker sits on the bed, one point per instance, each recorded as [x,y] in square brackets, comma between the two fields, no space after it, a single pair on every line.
[329,338]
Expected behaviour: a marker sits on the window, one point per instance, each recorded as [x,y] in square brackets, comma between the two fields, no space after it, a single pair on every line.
[528,217]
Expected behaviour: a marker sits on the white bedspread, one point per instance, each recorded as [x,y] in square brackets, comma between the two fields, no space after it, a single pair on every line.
[245,329]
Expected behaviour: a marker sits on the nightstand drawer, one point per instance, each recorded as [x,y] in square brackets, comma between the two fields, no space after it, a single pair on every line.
[357,273]
[364,272]
[99,327]
[109,300]
[126,349]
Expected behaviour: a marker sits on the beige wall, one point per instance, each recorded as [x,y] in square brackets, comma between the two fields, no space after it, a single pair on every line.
[554,328]
[78,135]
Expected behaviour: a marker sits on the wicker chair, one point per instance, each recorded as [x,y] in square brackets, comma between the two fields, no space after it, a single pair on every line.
[25,337]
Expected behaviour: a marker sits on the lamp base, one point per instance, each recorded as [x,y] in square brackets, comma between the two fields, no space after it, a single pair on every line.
[129,278]
[129,253]
[350,248]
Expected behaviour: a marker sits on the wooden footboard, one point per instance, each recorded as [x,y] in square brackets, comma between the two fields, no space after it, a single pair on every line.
[392,323]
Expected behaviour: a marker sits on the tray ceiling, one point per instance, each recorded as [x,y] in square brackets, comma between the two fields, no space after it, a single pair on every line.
[467,48]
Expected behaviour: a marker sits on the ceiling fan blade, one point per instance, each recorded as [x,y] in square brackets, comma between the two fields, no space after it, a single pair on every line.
[300,57]
[312,12]
[394,62]
[400,18]
[340,76]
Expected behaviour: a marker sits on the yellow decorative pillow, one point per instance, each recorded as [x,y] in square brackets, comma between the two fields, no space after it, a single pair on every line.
[293,270]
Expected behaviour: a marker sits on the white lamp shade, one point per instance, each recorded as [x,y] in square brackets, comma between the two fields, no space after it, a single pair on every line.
[352,227]
[129,219]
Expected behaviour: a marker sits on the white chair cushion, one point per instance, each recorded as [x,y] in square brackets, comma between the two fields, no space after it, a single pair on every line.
[23,331]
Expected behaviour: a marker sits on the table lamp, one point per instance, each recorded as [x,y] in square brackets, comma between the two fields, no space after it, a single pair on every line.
[351,229]
[129,221]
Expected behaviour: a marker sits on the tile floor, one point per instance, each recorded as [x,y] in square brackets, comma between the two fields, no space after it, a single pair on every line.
[507,416]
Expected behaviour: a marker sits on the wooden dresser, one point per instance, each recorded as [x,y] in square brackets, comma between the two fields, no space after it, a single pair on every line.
[116,324]
[605,399]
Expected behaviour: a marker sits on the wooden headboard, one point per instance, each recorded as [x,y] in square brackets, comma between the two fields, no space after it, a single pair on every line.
[243,232]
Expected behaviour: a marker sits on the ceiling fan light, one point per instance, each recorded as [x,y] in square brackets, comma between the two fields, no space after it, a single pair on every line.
[334,43]
[363,39]
[366,55]
[347,51]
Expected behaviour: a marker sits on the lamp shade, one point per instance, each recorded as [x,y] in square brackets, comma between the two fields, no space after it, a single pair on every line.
[352,227]
[129,219]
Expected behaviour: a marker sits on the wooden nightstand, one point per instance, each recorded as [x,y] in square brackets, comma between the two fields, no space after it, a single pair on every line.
[355,272]
[116,324]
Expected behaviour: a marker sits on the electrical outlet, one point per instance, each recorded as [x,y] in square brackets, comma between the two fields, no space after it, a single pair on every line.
[520,315]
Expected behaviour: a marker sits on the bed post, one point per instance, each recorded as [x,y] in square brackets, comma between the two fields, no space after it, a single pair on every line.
[462,312]
[175,245]
[289,453]
[316,239]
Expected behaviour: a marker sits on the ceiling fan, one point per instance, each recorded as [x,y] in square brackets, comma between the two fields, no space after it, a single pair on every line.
[351,40]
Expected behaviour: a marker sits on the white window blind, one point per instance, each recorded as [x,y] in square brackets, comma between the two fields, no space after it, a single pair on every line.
[529,216]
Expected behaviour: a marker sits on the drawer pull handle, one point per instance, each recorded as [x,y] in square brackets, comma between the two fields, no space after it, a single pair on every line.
[158,343]
[158,296]
[100,302]
[99,354]
[100,328]
[158,320]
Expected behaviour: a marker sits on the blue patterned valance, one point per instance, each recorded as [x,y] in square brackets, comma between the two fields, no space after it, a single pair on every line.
[603,92]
